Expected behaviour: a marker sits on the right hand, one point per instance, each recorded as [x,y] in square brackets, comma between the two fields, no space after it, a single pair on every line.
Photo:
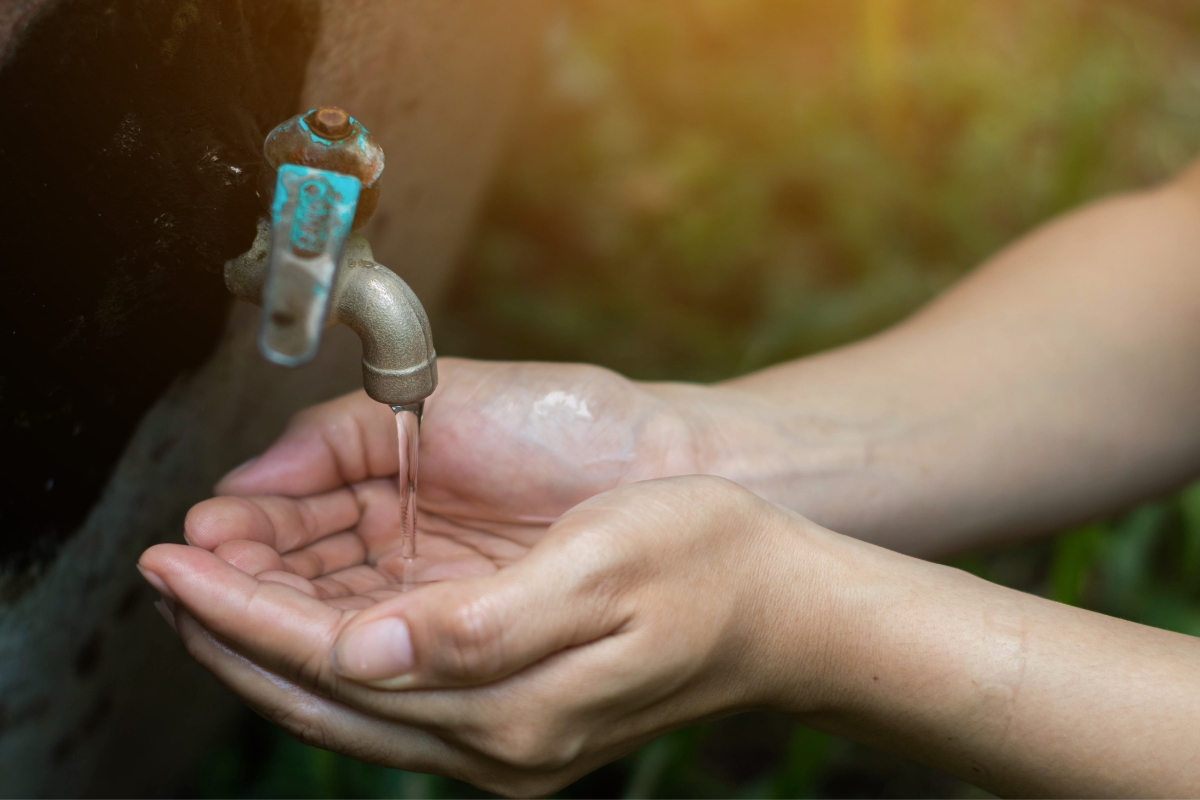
[655,605]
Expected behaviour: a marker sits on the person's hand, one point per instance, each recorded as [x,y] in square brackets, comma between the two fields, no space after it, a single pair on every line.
[652,606]
[311,527]
[505,449]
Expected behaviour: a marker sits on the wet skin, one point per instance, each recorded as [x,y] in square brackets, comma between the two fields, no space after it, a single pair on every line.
[505,450]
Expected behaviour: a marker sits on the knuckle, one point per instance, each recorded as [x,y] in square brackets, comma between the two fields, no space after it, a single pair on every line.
[311,669]
[714,485]
[301,724]
[305,516]
[316,669]
[473,644]
[533,750]
[722,495]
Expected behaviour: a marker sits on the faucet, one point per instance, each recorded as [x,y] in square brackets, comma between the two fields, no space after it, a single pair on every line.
[308,269]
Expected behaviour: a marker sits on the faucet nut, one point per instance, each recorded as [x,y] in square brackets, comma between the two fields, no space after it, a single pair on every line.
[330,122]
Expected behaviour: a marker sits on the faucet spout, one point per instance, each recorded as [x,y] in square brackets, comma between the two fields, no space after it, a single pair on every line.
[399,362]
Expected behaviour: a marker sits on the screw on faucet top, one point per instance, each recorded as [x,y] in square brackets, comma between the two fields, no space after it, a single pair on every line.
[330,122]
[330,139]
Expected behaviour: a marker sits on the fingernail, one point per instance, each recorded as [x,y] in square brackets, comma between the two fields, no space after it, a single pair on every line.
[161,605]
[157,583]
[377,650]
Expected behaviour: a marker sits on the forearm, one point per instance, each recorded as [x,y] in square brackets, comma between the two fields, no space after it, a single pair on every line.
[1058,382]
[1008,691]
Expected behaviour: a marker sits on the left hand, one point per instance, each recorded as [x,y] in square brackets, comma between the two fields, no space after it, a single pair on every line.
[649,607]
[506,448]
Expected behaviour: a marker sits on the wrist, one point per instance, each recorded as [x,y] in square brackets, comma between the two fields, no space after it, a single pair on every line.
[852,626]
[833,469]
[810,591]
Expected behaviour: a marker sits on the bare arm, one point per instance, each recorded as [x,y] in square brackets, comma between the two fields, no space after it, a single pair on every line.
[1014,693]
[1059,381]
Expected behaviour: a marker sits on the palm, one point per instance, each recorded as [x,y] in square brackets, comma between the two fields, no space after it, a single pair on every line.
[506,449]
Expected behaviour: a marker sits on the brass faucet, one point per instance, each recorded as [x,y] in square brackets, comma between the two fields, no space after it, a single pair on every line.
[308,269]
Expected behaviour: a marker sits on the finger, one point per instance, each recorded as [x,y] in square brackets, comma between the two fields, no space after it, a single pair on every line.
[250,557]
[277,625]
[542,720]
[378,523]
[290,579]
[480,630]
[321,722]
[317,720]
[337,552]
[262,562]
[283,523]
[323,447]
[486,721]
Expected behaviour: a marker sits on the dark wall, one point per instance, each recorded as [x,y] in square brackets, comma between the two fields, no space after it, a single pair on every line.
[130,136]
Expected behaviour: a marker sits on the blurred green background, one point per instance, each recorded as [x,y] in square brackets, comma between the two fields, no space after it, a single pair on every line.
[699,188]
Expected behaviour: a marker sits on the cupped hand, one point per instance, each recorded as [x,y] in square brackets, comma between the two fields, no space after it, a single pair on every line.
[505,449]
[648,607]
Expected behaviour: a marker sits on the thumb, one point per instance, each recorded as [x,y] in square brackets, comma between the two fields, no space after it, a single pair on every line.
[482,629]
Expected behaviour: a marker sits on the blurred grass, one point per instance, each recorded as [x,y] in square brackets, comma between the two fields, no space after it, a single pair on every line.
[704,188]
[700,188]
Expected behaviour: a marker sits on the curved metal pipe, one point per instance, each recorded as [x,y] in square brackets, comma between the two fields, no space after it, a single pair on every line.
[399,362]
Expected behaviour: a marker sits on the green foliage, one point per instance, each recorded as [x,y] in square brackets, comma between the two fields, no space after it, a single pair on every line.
[701,188]
[704,188]
[263,762]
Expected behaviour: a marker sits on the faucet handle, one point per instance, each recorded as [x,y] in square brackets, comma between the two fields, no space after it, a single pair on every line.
[311,217]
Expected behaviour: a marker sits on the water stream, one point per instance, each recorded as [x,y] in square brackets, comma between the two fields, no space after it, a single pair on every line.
[408,428]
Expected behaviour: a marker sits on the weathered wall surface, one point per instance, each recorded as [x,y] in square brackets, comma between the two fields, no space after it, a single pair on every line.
[96,696]
[130,153]
[436,82]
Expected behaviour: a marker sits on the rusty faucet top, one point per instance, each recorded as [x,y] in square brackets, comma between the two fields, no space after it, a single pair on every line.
[328,138]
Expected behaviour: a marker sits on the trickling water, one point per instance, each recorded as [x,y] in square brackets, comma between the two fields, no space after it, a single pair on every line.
[408,429]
